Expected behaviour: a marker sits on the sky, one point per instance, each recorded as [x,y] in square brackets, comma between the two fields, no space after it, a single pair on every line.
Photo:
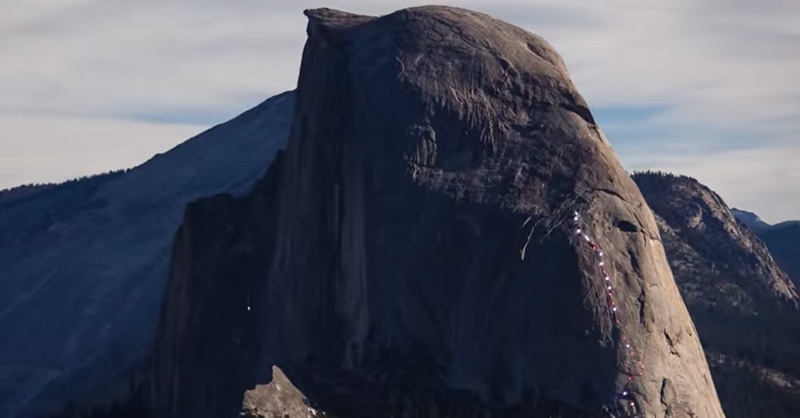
[707,88]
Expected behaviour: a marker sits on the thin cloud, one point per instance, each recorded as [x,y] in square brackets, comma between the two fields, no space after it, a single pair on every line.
[721,75]
[43,148]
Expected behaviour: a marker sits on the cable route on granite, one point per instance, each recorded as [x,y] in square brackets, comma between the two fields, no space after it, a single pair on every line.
[613,307]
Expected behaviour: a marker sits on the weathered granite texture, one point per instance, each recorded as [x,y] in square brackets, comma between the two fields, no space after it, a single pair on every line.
[413,249]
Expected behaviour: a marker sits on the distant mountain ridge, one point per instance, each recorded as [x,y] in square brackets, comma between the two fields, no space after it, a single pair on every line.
[750,219]
[782,239]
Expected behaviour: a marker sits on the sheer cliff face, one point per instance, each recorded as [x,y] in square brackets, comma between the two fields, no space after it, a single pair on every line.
[206,347]
[743,304]
[415,246]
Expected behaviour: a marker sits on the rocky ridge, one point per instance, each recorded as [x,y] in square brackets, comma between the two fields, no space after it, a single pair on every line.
[277,399]
[719,263]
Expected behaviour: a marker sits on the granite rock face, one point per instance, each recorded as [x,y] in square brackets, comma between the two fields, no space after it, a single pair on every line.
[278,399]
[413,250]
[742,303]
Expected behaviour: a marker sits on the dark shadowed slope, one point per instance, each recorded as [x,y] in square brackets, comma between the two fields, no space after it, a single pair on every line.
[413,253]
[782,239]
[26,211]
[83,265]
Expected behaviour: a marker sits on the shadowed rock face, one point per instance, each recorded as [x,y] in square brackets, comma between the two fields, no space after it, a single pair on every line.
[413,249]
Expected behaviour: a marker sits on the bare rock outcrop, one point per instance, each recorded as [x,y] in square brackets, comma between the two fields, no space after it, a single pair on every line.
[277,399]
[720,264]
[413,251]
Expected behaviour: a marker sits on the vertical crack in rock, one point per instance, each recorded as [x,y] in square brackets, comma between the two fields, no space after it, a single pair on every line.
[672,349]
[667,397]
[642,313]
